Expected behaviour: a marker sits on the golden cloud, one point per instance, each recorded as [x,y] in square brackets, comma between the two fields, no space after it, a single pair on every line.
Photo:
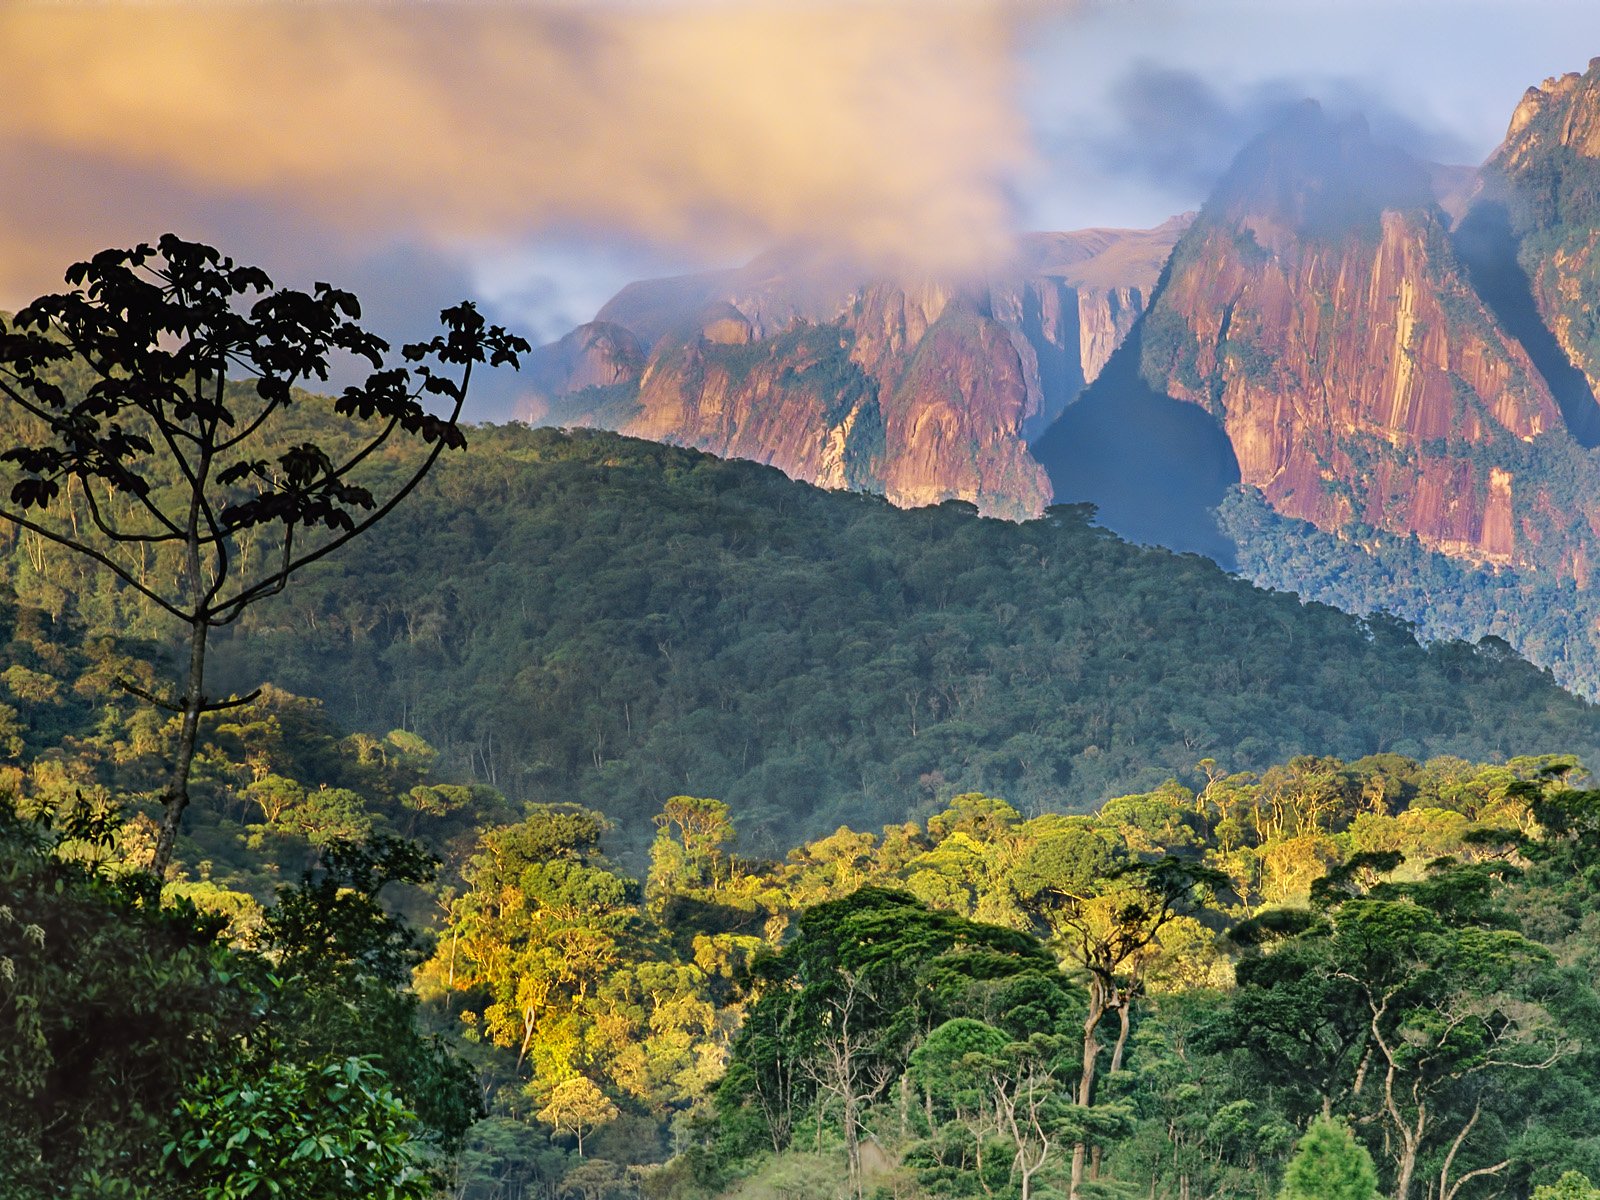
[888,128]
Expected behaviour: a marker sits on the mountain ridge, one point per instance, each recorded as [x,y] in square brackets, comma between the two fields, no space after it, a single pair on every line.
[1383,347]
[655,363]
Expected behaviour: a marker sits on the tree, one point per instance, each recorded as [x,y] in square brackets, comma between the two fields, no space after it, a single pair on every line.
[1105,929]
[953,1066]
[1329,1164]
[1427,1006]
[1449,1009]
[1307,1027]
[689,851]
[997,1087]
[578,1106]
[184,444]
[333,1131]
[839,1010]
[542,928]
[1573,1185]
[347,964]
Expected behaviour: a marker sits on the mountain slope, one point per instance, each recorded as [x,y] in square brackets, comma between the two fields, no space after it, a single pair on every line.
[1318,310]
[1391,356]
[585,617]
[1547,172]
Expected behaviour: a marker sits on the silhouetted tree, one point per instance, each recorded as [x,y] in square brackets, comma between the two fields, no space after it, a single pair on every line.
[183,440]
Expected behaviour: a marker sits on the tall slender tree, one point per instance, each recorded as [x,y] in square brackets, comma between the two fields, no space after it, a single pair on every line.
[1104,929]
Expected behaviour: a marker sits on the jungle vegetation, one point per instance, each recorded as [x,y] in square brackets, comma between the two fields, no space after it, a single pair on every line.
[1038,864]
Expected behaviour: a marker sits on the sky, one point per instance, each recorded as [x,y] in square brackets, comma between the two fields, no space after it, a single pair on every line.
[537,154]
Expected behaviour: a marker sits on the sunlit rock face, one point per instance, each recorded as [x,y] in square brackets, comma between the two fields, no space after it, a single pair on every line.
[921,389]
[1371,341]
[1320,310]
[1547,174]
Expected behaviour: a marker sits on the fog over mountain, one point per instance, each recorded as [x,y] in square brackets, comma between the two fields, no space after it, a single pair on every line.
[548,153]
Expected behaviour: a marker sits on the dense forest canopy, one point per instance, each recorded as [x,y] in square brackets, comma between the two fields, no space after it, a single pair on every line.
[1159,996]
[1254,899]
[580,616]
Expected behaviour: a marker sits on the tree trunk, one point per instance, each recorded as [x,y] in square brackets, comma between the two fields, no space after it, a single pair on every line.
[852,1144]
[176,798]
[1124,1020]
[1124,1016]
[905,1106]
[1091,1051]
[1408,1167]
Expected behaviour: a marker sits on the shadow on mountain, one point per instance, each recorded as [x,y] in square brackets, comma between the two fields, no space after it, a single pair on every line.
[1060,361]
[1488,249]
[1155,467]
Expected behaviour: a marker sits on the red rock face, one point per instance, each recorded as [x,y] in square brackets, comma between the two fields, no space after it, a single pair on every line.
[1357,374]
[923,390]
[1547,170]
[1565,110]
[794,402]
[953,423]
[1344,372]
[842,406]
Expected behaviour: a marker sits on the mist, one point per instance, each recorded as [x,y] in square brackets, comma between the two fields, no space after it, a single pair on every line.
[889,128]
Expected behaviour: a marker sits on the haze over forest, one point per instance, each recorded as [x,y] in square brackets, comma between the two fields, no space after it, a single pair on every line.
[982,600]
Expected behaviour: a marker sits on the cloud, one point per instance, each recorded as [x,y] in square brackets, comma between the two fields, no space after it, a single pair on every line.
[1172,128]
[889,127]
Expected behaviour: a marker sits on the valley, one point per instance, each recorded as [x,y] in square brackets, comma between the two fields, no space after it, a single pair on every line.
[934,712]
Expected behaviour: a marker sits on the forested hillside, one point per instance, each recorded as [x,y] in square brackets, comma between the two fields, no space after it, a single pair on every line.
[1246,902]
[1364,570]
[591,618]
[585,617]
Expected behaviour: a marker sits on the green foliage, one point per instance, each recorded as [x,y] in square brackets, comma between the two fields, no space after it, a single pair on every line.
[1573,1185]
[1329,1164]
[577,1106]
[110,1003]
[954,1061]
[350,963]
[583,617]
[1452,603]
[128,1025]
[327,1131]
[841,1009]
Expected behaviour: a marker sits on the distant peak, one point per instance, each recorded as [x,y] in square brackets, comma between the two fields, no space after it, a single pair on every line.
[1562,111]
[1319,176]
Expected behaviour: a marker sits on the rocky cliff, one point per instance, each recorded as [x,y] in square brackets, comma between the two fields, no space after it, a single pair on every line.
[1546,175]
[1321,311]
[923,390]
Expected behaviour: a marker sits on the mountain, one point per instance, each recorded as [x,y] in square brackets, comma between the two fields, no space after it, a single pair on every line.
[1380,372]
[1320,313]
[1395,362]
[1542,200]
[921,390]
